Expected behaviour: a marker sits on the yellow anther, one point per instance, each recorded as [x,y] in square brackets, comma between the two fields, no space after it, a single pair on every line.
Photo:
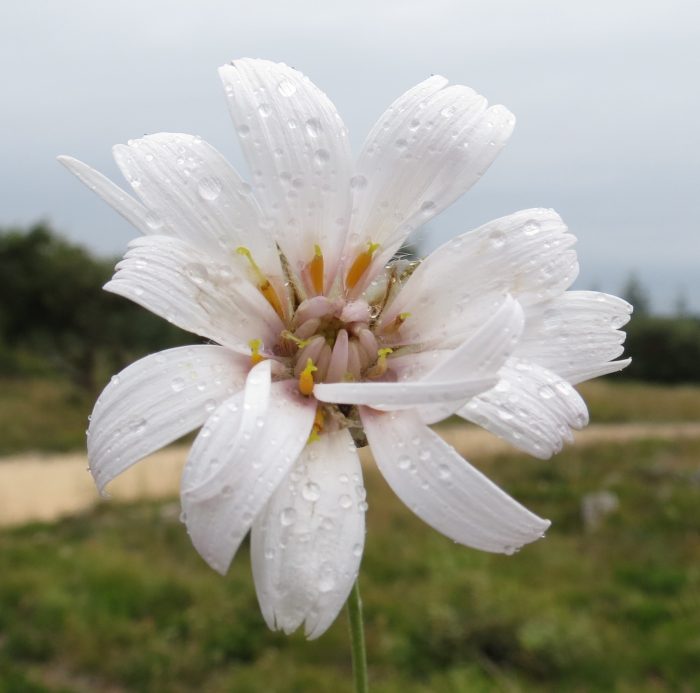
[301,343]
[315,270]
[319,419]
[306,378]
[255,356]
[264,285]
[399,320]
[360,265]
[380,366]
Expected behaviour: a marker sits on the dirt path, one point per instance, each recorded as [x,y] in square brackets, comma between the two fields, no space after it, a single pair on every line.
[46,487]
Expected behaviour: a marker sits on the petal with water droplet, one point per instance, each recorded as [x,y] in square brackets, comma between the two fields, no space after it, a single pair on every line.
[304,570]
[443,489]
[167,391]
[234,469]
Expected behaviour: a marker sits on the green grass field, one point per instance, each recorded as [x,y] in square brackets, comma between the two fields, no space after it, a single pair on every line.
[117,600]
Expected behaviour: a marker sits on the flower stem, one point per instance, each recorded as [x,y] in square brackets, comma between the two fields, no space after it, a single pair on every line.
[357,640]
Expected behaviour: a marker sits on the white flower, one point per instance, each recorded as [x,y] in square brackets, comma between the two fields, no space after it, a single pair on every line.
[319,335]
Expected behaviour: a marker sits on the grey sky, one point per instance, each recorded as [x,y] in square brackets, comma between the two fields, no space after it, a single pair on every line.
[605,94]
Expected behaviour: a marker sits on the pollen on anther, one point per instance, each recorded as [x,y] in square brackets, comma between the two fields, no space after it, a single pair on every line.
[306,378]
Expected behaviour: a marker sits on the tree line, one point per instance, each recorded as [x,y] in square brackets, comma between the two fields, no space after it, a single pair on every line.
[56,320]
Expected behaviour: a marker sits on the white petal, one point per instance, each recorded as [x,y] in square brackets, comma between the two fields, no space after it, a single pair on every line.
[193,190]
[576,334]
[382,395]
[132,210]
[471,368]
[307,545]
[190,289]
[443,489]
[155,401]
[531,407]
[429,147]
[241,455]
[299,154]
[527,254]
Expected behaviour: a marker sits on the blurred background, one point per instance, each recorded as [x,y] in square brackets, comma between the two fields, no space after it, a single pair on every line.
[111,597]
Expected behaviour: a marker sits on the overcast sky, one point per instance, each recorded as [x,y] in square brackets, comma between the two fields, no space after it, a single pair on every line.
[605,93]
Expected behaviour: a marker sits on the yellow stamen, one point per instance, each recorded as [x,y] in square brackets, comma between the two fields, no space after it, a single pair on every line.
[380,366]
[264,285]
[306,378]
[360,265]
[255,356]
[399,320]
[319,419]
[315,270]
[301,343]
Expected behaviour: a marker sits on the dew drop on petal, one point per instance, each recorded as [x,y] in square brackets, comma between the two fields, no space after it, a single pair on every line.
[153,221]
[197,272]
[286,87]
[321,157]
[177,384]
[357,550]
[345,501]
[288,517]
[326,577]
[243,130]
[358,182]
[404,462]
[311,492]
[313,127]
[264,109]
[209,187]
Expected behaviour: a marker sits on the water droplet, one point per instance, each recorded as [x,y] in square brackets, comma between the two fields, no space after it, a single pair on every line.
[288,517]
[153,221]
[444,472]
[531,228]
[264,109]
[545,392]
[498,238]
[313,127]
[177,384]
[404,462]
[286,87]
[424,455]
[227,491]
[358,182]
[357,550]
[209,188]
[428,207]
[321,157]
[447,112]
[210,405]
[345,501]
[243,130]
[311,492]
[401,143]
[269,554]
[138,425]
[197,272]
[326,577]
[414,124]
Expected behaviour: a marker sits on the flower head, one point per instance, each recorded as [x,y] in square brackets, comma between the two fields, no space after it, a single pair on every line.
[322,339]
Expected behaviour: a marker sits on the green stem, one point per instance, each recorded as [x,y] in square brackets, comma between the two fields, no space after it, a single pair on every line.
[357,640]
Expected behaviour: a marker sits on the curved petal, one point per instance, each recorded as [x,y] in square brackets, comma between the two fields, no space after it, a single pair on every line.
[189,289]
[527,254]
[468,370]
[132,210]
[240,457]
[298,151]
[191,188]
[531,407]
[443,489]
[428,148]
[307,545]
[576,335]
[155,401]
